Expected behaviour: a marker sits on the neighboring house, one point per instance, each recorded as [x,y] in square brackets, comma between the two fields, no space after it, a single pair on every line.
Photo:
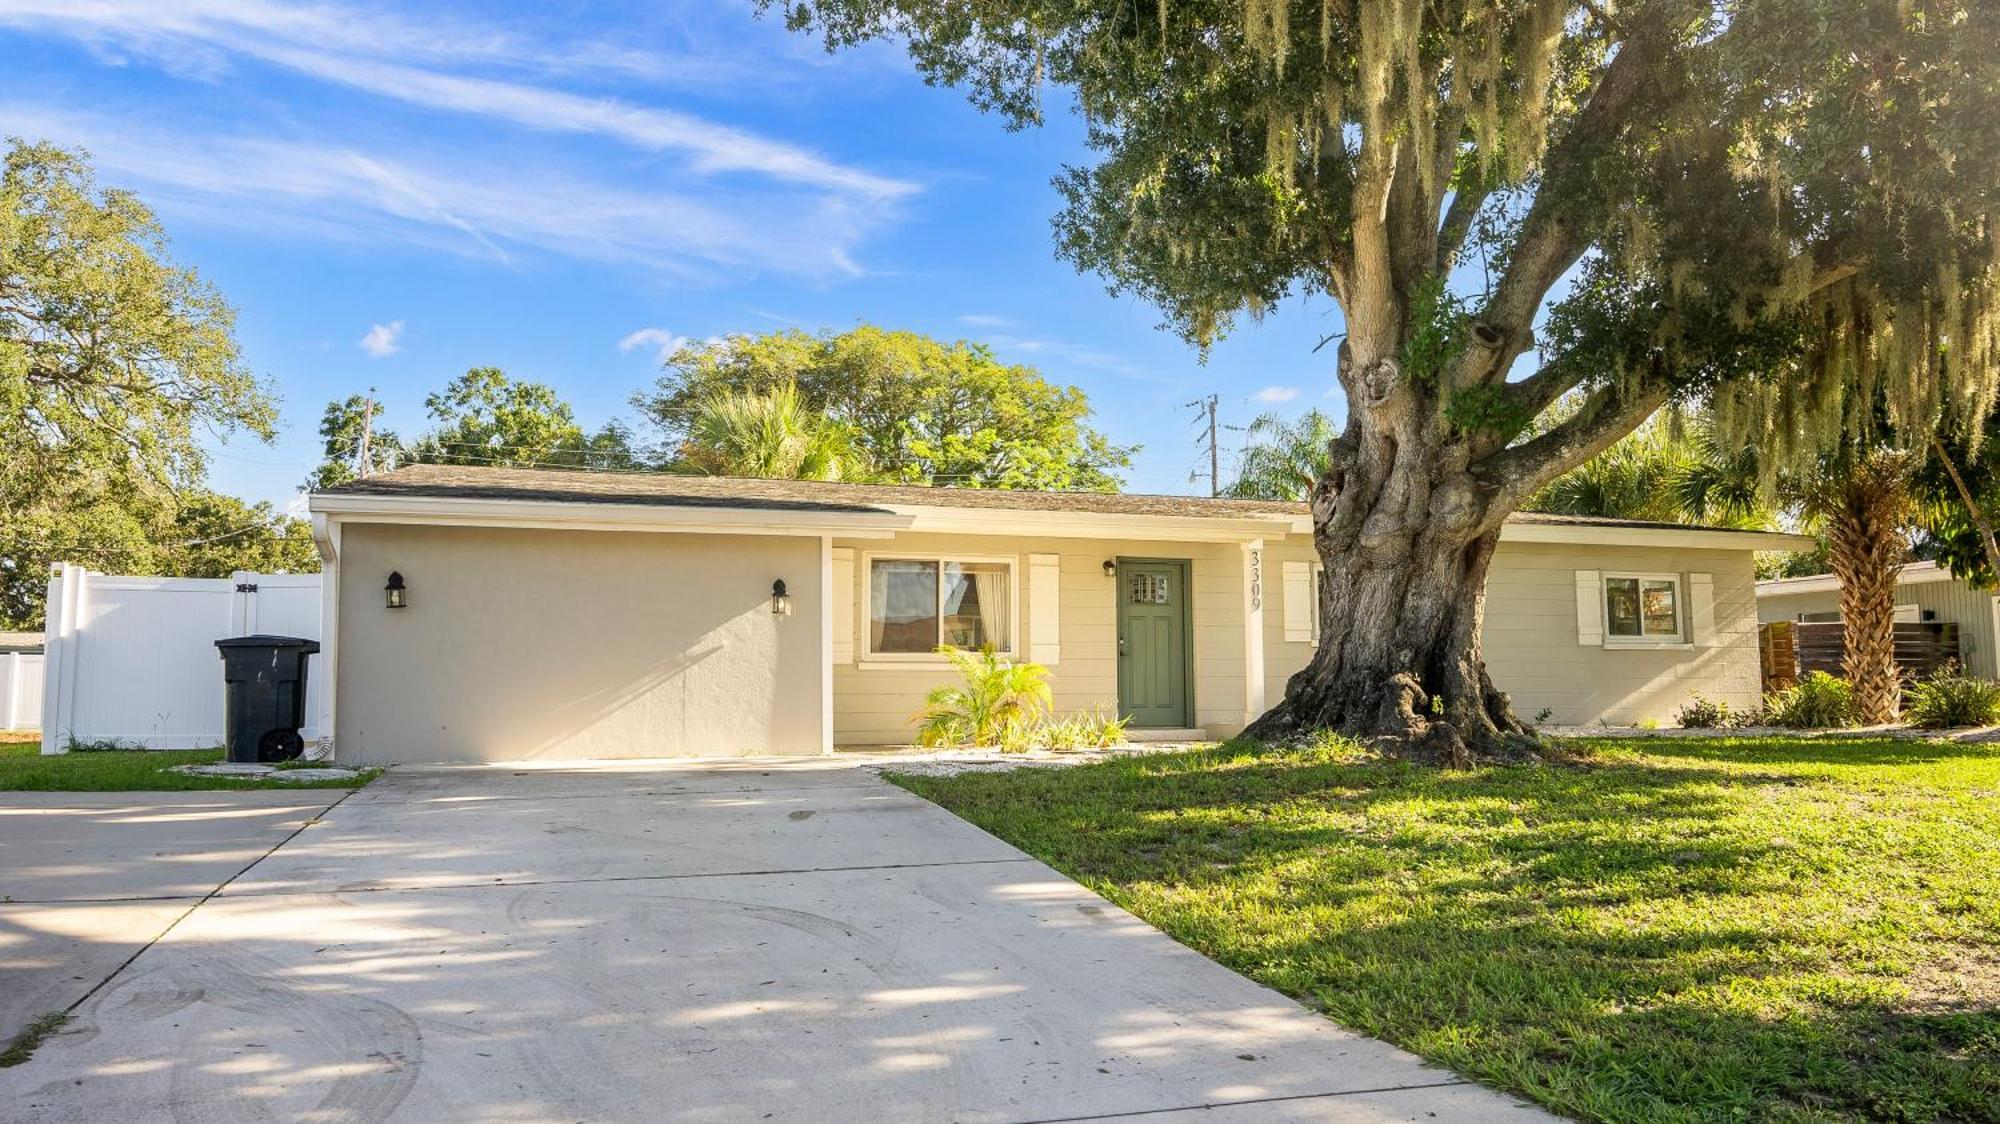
[578,614]
[1925,592]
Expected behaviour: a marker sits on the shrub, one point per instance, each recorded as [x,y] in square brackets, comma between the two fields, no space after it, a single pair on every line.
[1095,730]
[1708,714]
[995,702]
[1948,697]
[1819,701]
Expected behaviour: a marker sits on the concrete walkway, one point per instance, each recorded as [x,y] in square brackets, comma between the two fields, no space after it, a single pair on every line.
[793,941]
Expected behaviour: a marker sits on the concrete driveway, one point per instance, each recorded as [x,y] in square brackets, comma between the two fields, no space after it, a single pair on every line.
[647,941]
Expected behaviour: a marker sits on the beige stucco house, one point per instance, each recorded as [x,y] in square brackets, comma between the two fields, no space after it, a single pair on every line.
[549,615]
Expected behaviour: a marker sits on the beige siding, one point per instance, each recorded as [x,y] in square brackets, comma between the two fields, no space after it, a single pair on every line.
[1531,635]
[1952,600]
[535,644]
[874,701]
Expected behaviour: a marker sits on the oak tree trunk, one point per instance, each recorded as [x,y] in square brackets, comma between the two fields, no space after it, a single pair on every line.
[1406,534]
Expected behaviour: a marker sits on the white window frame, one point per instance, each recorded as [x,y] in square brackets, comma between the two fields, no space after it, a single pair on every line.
[1681,608]
[866,621]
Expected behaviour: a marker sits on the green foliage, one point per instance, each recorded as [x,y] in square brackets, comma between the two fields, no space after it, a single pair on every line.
[919,410]
[1664,471]
[340,427]
[994,703]
[1071,732]
[1484,409]
[1709,714]
[1775,930]
[1949,698]
[483,417]
[1817,702]
[770,435]
[115,364]
[1438,330]
[1282,458]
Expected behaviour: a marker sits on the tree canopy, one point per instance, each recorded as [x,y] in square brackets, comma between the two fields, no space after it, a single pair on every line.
[484,417]
[1283,457]
[1783,209]
[919,410]
[115,363]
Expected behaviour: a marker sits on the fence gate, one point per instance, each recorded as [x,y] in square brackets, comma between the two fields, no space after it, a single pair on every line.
[132,659]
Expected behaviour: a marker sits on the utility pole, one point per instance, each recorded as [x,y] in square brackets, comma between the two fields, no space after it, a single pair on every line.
[1205,408]
[364,457]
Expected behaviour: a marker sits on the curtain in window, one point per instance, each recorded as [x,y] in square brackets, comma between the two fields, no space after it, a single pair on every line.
[902,606]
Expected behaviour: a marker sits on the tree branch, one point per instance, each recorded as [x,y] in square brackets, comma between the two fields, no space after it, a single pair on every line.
[1519,471]
[1458,220]
[1554,235]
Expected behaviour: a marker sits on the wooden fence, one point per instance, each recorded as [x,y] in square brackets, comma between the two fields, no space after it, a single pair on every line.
[1787,650]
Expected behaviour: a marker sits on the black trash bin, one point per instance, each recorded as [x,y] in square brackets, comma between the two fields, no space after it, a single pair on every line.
[266,696]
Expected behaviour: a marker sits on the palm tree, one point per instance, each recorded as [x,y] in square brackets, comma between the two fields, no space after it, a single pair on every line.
[770,435]
[1863,502]
[1281,458]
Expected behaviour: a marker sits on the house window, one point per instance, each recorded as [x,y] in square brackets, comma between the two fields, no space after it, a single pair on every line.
[917,604]
[1643,609]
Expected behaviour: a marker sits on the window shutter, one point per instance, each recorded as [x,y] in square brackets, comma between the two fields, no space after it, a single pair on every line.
[842,594]
[1701,609]
[1590,608]
[1299,607]
[1045,608]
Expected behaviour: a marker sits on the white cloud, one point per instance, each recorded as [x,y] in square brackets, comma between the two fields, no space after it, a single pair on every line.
[383,340]
[464,202]
[1277,394]
[663,342]
[386,56]
[983,320]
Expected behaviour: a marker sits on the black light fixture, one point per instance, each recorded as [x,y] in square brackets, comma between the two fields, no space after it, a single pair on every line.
[781,602]
[394,590]
[1110,568]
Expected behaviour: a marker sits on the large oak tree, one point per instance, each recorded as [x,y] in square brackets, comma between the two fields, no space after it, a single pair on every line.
[1780,207]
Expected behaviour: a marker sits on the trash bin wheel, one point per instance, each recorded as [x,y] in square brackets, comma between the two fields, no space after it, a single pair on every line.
[280,745]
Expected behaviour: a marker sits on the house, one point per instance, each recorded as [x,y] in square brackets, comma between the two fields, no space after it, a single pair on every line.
[541,614]
[1925,593]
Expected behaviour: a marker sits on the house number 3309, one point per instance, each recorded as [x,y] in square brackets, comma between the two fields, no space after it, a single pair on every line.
[1256,579]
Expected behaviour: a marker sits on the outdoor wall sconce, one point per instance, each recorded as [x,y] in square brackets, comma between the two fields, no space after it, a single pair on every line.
[1110,568]
[781,602]
[394,590]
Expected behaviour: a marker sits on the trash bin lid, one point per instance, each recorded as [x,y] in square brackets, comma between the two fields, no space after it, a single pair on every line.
[267,641]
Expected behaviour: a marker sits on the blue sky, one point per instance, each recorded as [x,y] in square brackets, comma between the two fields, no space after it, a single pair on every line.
[392,194]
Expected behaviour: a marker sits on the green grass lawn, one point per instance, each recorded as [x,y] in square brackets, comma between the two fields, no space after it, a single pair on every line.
[24,769]
[1659,930]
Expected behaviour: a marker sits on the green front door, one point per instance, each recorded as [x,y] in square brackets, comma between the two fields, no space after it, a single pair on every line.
[1153,643]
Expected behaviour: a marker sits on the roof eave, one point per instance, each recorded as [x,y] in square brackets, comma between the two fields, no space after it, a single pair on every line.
[360,507]
[1692,538]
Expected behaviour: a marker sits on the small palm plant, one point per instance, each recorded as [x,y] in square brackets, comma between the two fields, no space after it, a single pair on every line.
[992,702]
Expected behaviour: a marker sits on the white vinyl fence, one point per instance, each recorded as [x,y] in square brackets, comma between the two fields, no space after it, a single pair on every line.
[133,659]
[20,690]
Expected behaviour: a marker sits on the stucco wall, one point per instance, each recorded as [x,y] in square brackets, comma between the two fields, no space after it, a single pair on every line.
[1951,600]
[540,644]
[1531,634]
[874,701]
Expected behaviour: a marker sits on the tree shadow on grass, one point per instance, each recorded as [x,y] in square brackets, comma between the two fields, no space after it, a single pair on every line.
[1620,938]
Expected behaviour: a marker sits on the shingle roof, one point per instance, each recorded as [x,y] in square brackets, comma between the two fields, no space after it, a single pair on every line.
[670,490]
[663,489]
